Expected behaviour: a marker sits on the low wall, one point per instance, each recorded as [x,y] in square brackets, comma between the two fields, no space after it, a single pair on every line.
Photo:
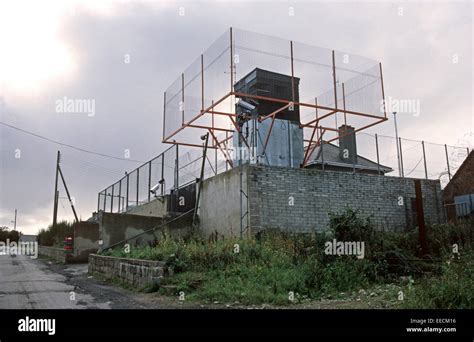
[156,207]
[54,253]
[115,228]
[135,272]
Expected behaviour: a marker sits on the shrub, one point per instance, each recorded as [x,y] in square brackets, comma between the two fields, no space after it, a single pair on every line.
[54,236]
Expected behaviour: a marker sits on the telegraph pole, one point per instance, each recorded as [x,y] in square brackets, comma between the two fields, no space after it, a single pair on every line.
[55,206]
[68,195]
[397,143]
[14,222]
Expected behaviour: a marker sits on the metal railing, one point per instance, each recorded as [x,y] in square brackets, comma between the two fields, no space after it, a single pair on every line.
[171,169]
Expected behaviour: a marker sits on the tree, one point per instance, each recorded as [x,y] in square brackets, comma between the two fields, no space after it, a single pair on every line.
[7,234]
[3,233]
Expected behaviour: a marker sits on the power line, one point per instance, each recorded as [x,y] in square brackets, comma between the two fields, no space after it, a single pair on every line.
[82,164]
[67,145]
[90,170]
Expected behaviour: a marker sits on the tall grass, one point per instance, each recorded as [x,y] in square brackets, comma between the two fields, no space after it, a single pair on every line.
[270,268]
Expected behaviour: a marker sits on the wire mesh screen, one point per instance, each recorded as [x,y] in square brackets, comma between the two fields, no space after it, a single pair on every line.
[346,88]
[173,109]
[413,158]
[192,83]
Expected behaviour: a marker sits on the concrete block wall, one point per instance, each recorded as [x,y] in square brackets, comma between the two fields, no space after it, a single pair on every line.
[135,272]
[315,193]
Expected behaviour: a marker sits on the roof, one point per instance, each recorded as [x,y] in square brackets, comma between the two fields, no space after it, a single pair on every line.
[464,164]
[331,157]
[28,238]
[461,182]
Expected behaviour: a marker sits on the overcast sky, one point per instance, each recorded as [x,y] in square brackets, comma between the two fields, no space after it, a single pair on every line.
[55,49]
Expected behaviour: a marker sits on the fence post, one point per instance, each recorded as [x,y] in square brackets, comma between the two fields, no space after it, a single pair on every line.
[227,137]
[163,184]
[120,196]
[447,160]
[292,73]
[420,215]
[182,99]
[149,180]
[401,157]
[112,199]
[98,201]
[424,159]
[202,83]
[231,61]
[138,185]
[377,150]
[334,80]
[353,158]
[176,185]
[128,178]
[322,154]
[164,114]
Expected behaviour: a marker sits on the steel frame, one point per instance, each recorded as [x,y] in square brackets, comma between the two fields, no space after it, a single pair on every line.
[314,125]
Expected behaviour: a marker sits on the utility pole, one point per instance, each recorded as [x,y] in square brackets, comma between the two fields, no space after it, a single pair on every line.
[67,192]
[397,143]
[55,206]
[14,222]
[201,177]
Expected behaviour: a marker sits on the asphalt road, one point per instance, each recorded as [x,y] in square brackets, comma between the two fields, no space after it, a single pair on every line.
[27,283]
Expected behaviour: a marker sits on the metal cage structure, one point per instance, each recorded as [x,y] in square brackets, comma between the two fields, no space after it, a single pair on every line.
[333,88]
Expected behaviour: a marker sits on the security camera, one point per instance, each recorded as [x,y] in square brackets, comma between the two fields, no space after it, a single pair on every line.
[245,105]
[157,186]
[154,188]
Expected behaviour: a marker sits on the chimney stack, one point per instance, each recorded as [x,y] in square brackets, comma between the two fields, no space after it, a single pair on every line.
[347,144]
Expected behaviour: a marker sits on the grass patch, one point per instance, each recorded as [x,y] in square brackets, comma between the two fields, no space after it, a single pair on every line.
[280,269]
[453,289]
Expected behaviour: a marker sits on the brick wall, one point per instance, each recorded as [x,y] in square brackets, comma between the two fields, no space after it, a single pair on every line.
[462,182]
[135,272]
[316,192]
